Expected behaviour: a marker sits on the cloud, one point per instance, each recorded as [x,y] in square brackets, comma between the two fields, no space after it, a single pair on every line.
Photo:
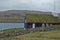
[44,5]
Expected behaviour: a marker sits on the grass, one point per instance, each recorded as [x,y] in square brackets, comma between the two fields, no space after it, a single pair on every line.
[11,30]
[12,20]
[42,18]
[47,35]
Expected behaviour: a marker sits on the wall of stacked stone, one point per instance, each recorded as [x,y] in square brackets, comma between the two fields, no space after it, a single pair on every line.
[2,35]
[22,32]
[56,26]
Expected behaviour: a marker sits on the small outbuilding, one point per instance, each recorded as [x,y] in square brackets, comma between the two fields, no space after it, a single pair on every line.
[41,20]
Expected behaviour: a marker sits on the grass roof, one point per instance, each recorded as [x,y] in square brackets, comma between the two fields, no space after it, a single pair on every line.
[42,18]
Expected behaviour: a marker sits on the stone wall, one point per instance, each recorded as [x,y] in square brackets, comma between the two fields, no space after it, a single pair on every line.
[22,32]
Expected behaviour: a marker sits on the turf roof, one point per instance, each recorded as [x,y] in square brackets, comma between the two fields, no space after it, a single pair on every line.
[41,18]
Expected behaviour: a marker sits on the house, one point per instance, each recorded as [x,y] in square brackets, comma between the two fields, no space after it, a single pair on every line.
[41,20]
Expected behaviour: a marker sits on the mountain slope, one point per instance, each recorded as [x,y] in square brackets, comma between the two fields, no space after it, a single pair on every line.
[17,15]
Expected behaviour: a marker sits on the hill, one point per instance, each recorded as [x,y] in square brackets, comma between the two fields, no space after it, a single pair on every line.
[24,12]
[17,15]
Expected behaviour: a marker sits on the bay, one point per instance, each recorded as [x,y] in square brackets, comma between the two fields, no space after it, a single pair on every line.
[11,25]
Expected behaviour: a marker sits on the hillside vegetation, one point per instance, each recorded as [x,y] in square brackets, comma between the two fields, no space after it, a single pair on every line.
[17,15]
[11,30]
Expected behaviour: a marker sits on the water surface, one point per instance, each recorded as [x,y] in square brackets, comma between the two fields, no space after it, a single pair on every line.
[11,25]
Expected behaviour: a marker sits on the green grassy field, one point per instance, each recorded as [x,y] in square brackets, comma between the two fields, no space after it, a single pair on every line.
[48,35]
[11,30]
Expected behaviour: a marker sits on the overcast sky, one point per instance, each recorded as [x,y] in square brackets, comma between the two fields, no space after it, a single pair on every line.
[39,5]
